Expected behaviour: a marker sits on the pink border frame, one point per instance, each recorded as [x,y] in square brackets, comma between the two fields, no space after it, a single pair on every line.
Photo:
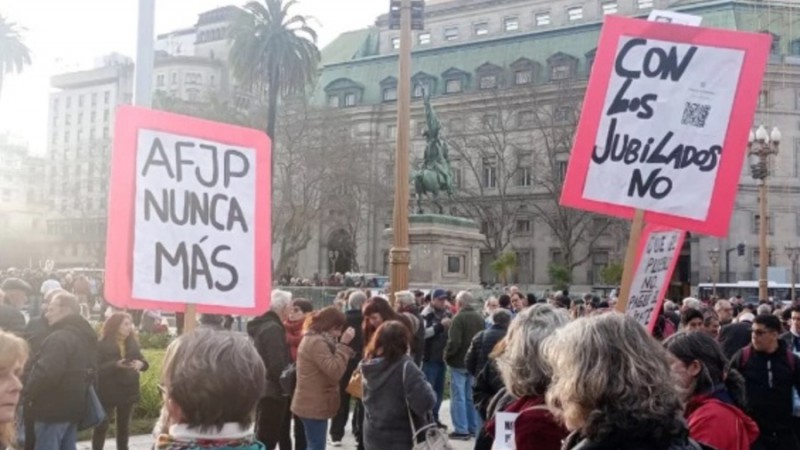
[756,47]
[121,206]
[648,230]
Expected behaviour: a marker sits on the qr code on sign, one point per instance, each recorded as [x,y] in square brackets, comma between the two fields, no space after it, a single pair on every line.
[695,114]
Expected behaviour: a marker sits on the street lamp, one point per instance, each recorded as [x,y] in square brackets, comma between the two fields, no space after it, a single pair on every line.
[793,252]
[760,147]
[713,255]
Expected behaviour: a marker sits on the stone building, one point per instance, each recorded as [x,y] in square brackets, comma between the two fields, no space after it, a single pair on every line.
[507,79]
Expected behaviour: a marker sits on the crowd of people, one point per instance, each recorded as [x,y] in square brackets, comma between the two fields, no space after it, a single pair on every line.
[561,372]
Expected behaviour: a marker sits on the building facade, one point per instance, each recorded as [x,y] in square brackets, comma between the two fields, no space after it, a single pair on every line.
[507,79]
[22,204]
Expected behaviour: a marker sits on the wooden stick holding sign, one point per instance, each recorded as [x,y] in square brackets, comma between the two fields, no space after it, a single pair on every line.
[631,258]
[190,318]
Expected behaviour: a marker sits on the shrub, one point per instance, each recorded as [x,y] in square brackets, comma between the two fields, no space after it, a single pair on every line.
[149,405]
[156,341]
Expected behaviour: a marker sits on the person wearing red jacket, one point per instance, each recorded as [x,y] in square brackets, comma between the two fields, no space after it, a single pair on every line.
[294,325]
[716,397]
[526,375]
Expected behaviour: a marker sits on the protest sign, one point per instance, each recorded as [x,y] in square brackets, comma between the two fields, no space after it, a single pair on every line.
[189,215]
[504,431]
[665,122]
[659,250]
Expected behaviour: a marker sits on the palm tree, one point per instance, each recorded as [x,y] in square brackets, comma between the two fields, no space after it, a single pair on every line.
[275,51]
[14,55]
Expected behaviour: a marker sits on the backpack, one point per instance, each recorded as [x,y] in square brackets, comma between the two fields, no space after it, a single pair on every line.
[747,352]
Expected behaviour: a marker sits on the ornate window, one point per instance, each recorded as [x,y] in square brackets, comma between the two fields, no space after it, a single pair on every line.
[562,66]
[490,76]
[455,80]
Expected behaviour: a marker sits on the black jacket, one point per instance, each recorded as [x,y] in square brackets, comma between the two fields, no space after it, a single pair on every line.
[62,371]
[622,441]
[435,334]
[789,338]
[355,320]
[269,337]
[12,320]
[734,336]
[769,383]
[482,345]
[118,386]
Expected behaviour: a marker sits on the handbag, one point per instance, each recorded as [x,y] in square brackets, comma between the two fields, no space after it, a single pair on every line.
[94,414]
[355,387]
[288,379]
[427,437]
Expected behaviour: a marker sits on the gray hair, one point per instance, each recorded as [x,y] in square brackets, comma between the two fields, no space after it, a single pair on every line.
[404,298]
[691,302]
[280,300]
[524,371]
[68,301]
[356,300]
[216,377]
[764,309]
[670,306]
[607,371]
[464,298]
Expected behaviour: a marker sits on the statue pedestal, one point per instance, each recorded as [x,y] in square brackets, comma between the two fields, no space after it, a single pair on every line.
[445,251]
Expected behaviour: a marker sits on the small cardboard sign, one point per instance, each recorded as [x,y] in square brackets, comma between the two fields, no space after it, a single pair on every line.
[189,215]
[659,250]
[504,431]
[664,123]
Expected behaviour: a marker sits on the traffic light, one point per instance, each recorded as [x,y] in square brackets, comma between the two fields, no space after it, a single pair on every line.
[417,14]
[740,249]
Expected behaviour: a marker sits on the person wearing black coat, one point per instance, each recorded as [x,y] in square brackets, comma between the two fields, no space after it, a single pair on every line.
[733,337]
[269,338]
[119,361]
[484,342]
[61,374]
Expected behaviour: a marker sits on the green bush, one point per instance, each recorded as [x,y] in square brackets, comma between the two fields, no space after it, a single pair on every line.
[158,341]
[150,403]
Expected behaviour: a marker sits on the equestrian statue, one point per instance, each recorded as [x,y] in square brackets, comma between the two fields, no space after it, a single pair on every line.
[435,175]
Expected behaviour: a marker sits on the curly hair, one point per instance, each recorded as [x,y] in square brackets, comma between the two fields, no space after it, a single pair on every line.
[522,367]
[611,378]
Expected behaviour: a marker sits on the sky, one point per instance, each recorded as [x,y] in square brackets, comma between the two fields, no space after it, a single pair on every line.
[67,35]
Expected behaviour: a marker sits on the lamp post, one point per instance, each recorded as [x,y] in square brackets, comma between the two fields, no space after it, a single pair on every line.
[713,255]
[400,16]
[793,252]
[760,147]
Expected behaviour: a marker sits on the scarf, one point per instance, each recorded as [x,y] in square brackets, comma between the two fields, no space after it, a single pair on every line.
[166,442]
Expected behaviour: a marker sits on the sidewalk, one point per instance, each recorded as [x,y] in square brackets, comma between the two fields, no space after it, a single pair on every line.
[145,442]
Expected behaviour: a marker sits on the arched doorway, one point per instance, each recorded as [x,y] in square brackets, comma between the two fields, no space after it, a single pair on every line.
[340,252]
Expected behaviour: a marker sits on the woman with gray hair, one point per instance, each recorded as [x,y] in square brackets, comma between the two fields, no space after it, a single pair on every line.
[612,387]
[526,375]
[211,383]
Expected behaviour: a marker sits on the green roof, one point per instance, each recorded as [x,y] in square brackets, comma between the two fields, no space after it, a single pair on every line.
[367,69]
[350,45]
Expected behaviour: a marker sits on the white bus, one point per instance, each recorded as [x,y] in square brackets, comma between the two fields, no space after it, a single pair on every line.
[747,289]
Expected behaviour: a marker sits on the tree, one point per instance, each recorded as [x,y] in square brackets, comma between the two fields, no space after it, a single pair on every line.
[505,266]
[273,51]
[554,118]
[14,54]
[485,155]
